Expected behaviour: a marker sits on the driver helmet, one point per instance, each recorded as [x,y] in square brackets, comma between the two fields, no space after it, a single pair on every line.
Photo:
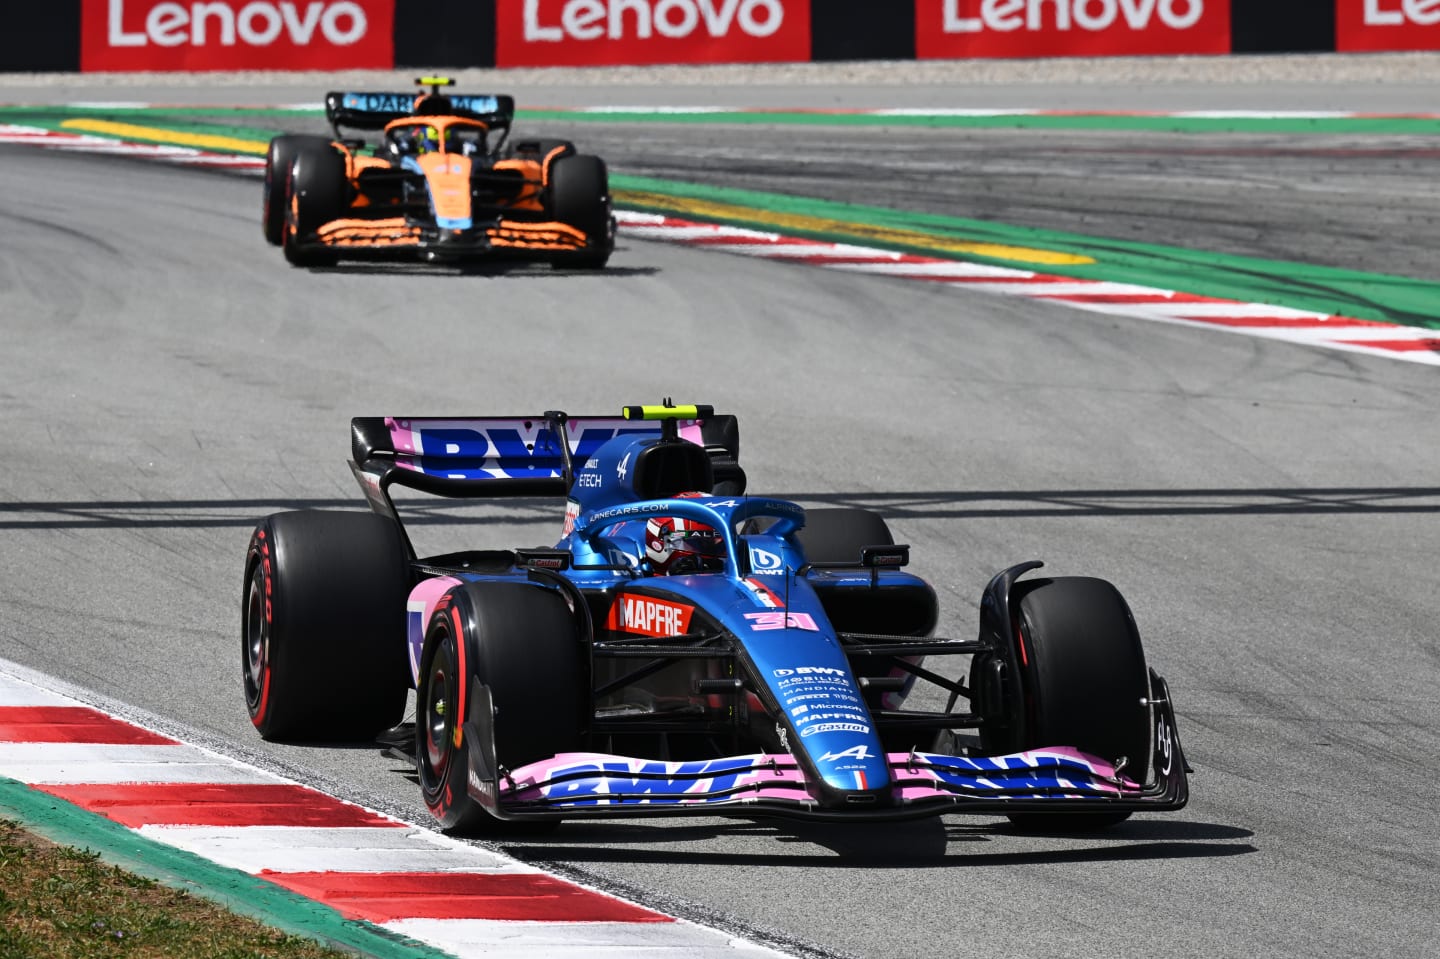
[427,139]
[676,546]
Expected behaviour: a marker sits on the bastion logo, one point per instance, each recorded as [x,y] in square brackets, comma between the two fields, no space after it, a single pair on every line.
[601,32]
[1383,25]
[1031,28]
[236,34]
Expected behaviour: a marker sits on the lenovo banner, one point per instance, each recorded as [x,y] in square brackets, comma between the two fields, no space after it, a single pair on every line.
[1378,25]
[539,33]
[958,29]
[134,35]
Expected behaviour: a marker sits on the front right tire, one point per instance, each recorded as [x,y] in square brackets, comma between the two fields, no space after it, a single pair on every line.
[1084,684]
[580,196]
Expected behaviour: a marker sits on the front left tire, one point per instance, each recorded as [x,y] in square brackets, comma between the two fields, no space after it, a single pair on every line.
[279,158]
[317,193]
[522,642]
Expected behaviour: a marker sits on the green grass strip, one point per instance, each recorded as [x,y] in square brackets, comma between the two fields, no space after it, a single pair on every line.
[69,825]
[1330,290]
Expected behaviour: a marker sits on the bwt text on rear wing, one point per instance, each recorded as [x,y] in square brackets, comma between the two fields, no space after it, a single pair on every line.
[510,456]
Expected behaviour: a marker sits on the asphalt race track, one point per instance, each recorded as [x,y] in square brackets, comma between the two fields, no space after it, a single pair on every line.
[1271,512]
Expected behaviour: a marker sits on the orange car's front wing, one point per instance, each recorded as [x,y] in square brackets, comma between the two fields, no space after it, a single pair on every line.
[400,233]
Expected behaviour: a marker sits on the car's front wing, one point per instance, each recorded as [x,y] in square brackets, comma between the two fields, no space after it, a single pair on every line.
[581,785]
[398,234]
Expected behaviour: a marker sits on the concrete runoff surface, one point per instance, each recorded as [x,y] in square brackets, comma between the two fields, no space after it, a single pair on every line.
[1265,507]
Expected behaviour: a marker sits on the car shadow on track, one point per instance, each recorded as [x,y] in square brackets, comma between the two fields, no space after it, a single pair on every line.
[919,504]
[931,842]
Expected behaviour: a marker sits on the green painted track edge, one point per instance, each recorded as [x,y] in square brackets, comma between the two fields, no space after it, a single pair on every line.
[69,825]
[1328,290]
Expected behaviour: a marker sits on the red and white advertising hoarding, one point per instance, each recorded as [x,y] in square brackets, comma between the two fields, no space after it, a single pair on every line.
[538,33]
[961,29]
[197,35]
[1378,25]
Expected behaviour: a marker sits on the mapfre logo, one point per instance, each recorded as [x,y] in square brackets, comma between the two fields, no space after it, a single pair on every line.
[1065,28]
[1382,25]
[649,617]
[613,32]
[236,34]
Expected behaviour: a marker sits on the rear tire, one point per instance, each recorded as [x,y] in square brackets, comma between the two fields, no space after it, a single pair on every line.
[318,192]
[835,535]
[1083,677]
[522,642]
[278,161]
[323,626]
[580,196]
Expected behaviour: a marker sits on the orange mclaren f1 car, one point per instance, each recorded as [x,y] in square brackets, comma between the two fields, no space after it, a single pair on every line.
[442,184]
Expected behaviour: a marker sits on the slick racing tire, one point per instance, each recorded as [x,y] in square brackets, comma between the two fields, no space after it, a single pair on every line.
[580,197]
[522,642]
[318,192]
[835,535]
[323,626]
[1084,681]
[278,161]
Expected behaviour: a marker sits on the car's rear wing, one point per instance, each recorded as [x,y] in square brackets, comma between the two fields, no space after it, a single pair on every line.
[372,111]
[509,456]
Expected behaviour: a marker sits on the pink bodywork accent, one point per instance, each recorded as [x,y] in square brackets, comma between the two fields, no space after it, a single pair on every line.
[419,608]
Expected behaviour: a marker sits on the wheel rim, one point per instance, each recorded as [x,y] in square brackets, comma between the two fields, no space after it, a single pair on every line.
[257,641]
[439,712]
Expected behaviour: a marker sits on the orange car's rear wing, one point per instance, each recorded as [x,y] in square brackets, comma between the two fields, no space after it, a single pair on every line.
[371,111]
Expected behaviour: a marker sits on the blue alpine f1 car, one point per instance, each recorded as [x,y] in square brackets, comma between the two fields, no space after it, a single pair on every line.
[685,647]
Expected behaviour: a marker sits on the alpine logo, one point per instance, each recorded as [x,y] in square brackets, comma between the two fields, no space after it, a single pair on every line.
[649,617]
[861,752]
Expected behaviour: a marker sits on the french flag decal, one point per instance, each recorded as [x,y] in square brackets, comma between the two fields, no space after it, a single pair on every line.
[763,595]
